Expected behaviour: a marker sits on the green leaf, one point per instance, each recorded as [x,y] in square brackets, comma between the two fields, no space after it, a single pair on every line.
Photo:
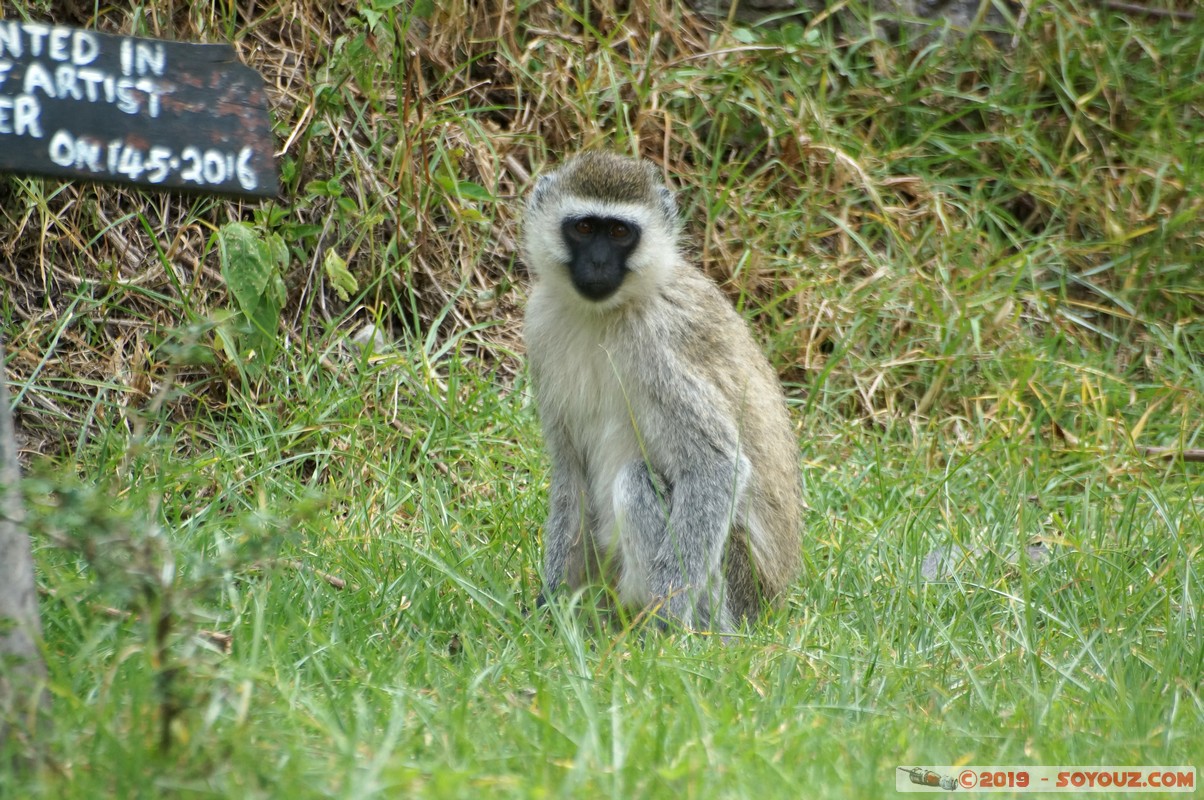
[322,188]
[265,316]
[340,277]
[473,191]
[252,268]
[277,251]
[464,190]
[246,262]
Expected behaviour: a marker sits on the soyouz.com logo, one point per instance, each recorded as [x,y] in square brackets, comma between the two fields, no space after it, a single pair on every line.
[1046,779]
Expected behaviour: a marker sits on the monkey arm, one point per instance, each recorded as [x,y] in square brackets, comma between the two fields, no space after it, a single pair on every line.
[677,544]
[563,531]
[708,476]
[687,568]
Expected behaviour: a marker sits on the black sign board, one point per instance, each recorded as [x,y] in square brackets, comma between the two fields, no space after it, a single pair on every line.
[171,115]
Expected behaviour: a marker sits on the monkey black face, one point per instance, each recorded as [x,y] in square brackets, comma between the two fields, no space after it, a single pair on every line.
[598,251]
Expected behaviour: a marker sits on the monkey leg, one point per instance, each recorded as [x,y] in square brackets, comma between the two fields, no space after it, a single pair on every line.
[679,570]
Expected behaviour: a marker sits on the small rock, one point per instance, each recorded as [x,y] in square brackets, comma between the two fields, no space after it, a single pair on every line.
[370,339]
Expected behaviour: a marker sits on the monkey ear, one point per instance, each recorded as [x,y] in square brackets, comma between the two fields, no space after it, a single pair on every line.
[668,204]
[541,188]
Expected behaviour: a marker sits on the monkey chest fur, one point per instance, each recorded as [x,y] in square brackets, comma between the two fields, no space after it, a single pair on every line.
[585,391]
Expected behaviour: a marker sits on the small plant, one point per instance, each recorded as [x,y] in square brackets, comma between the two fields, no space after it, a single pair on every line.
[252,265]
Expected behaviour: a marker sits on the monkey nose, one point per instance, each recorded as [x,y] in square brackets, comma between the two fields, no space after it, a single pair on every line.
[597,279]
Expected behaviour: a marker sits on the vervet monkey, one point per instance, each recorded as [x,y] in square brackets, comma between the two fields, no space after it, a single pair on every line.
[674,464]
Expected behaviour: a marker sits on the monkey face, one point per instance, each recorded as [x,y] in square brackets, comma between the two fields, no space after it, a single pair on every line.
[601,232]
[598,250]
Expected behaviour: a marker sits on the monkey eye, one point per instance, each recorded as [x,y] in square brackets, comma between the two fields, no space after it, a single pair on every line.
[619,231]
[584,227]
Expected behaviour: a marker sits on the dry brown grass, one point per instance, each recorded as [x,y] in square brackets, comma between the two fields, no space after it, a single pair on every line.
[85,267]
[861,220]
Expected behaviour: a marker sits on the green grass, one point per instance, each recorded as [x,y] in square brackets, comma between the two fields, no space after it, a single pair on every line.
[978,273]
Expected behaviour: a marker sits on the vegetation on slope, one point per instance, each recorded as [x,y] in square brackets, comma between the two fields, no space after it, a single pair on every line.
[304,571]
